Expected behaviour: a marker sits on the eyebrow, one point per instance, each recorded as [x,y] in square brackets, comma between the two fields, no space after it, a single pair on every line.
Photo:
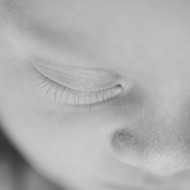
[14,7]
[64,38]
[67,42]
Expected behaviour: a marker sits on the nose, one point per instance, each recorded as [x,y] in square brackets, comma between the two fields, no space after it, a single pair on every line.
[153,153]
[160,146]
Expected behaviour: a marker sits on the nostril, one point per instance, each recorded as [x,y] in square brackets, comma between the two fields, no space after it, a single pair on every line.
[123,140]
[125,145]
[157,159]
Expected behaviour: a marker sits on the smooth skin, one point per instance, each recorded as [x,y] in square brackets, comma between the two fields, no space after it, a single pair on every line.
[139,141]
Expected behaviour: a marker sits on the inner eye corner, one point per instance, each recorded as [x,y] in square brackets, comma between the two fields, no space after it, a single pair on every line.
[118,85]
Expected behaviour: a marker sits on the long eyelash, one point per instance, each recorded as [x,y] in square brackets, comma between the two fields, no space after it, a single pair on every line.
[79,98]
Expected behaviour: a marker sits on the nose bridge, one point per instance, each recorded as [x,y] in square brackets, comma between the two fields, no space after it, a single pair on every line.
[169,104]
[170,113]
[168,97]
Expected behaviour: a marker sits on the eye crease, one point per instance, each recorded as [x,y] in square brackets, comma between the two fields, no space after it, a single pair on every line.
[83,79]
[74,97]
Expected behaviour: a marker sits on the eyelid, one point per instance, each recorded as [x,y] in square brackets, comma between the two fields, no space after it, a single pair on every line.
[83,79]
[69,96]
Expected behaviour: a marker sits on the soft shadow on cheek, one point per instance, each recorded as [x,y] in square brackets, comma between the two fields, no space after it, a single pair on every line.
[129,105]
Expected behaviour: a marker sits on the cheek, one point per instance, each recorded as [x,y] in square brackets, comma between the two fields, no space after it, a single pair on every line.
[48,137]
[57,147]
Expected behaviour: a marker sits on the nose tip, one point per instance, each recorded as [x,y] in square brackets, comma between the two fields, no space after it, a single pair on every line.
[159,160]
[163,163]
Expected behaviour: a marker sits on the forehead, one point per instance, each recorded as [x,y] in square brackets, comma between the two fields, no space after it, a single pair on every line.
[135,34]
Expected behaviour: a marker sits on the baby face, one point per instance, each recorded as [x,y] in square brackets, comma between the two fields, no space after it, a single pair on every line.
[96,94]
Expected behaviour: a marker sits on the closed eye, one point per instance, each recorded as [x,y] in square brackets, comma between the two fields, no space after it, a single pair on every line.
[74,97]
